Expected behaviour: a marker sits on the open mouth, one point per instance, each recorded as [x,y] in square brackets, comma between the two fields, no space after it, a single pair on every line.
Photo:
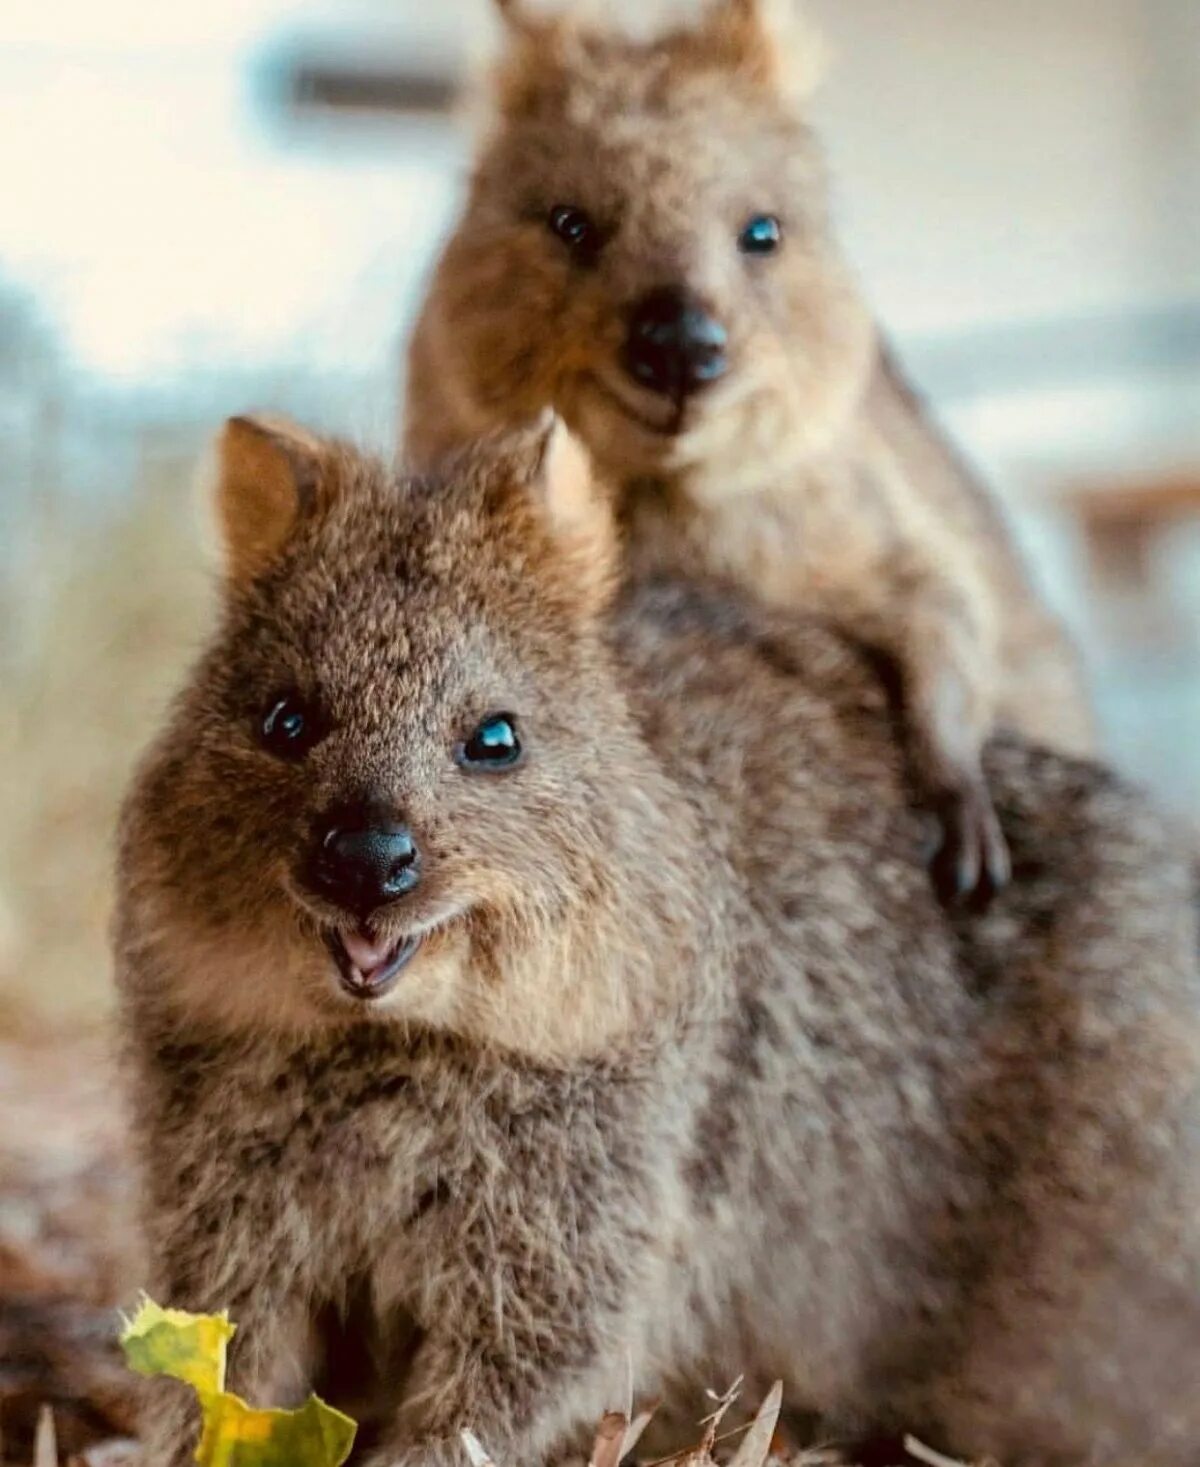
[368,967]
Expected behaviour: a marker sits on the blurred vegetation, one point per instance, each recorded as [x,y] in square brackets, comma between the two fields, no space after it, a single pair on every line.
[107,612]
[102,596]
[105,592]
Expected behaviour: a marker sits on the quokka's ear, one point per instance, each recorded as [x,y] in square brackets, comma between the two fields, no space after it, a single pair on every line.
[517,16]
[532,58]
[531,26]
[768,40]
[575,509]
[267,474]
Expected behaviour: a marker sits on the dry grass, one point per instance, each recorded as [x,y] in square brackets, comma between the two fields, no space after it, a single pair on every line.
[65,1242]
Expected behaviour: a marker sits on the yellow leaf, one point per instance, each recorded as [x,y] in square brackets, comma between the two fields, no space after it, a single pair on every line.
[237,1435]
[191,1348]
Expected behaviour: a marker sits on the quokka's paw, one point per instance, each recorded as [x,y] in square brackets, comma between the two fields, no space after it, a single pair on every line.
[971,862]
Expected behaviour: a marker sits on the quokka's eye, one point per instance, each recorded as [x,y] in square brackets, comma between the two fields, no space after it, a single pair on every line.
[762,235]
[493,745]
[575,228]
[289,726]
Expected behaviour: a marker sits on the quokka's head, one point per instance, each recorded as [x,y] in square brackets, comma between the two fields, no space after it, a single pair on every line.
[646,247]
[396,784]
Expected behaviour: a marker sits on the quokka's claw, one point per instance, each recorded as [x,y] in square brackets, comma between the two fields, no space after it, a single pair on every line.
[971,864]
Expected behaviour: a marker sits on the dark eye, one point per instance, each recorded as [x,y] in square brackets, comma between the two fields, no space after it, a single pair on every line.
[575,228]
[288,727]
[493,745]
[762,235]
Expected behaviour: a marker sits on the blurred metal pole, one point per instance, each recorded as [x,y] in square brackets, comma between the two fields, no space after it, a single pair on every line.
[315,84]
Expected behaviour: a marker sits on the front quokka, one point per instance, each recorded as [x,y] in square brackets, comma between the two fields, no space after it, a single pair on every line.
[520,984]
[646,248]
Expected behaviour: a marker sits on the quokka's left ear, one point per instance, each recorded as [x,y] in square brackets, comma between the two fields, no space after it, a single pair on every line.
[575,509]
[268,473]
[768,40]
[516,15]
[530,26]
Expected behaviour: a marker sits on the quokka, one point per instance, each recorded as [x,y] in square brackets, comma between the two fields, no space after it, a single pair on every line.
[646,248]
[527,970]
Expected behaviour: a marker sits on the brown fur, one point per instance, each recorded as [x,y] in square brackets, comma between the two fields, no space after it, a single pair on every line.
[808,473]
[692,1069]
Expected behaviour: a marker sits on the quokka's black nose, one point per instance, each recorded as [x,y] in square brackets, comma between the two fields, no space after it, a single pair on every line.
[673,344]
[363,858]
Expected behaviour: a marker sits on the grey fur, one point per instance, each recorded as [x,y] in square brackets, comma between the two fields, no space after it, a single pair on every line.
[939,1174]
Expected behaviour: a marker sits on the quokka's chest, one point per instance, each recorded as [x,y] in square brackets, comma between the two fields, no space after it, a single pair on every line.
[316,1143]
[791,544]
[400,1135]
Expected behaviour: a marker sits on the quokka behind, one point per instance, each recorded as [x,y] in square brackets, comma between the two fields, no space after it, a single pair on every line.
[646,247]
[523,976]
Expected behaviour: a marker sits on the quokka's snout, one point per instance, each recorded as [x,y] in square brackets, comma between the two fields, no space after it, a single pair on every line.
[674,343]
[363,858]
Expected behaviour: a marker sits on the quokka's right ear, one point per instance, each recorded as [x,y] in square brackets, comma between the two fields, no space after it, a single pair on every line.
[771,41]
[268,472]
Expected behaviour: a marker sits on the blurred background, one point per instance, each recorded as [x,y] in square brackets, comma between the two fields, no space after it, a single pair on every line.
[211,208]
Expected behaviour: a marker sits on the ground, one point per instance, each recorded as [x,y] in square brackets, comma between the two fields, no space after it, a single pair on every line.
[65,1255]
